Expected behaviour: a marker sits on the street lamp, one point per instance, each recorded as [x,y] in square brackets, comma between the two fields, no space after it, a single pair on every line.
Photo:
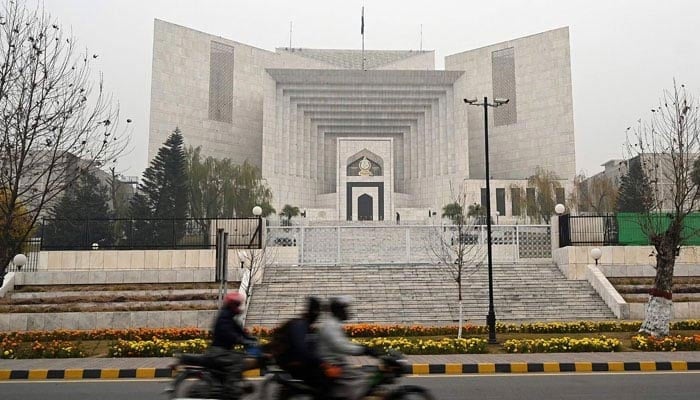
[498,214]
[596,253]
[491,317]
[559,209]
[20,260]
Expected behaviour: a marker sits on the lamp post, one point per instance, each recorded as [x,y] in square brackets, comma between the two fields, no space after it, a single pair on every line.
[491,317]
[596,253]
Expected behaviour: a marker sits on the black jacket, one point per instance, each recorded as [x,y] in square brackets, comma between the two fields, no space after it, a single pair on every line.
[302,347]
[228,332]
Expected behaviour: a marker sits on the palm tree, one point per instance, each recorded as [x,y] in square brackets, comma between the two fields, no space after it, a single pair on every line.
[289,212]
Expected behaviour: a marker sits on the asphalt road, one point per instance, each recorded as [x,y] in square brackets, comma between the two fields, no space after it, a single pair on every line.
[636,386]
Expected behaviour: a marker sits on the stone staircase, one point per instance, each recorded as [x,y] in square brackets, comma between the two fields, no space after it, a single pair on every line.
[96,306]
[426,294]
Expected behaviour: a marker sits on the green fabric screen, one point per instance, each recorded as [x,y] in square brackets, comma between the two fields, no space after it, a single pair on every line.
[630,230]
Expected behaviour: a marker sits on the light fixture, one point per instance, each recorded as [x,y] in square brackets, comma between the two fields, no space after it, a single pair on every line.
[559,209]
[20,260]
[596,253]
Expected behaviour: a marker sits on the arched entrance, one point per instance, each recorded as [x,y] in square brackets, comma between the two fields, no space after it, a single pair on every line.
[365,203]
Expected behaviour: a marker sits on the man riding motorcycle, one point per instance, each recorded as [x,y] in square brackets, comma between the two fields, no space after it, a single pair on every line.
[334,346]
[227,333]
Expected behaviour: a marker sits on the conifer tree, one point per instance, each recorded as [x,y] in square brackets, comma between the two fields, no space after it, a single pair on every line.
[78,219]
[163,195]
[635,193]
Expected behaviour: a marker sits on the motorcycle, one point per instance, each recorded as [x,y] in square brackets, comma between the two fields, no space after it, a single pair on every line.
[200,377]
[278,384]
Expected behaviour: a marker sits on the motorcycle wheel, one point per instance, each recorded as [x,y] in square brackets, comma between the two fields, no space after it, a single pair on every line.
[191,387]
[410,393]
[271,390]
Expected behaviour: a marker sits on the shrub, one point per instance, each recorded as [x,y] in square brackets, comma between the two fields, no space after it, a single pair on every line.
[668,343]
[562,345]
[427,346]
[155,348]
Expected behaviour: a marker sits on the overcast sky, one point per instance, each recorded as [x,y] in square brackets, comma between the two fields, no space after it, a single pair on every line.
[623,53]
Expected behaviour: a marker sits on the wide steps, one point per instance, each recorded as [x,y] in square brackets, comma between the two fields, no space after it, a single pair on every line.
[426,294]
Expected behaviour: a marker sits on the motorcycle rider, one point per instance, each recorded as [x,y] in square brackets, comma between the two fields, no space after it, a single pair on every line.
[227,333]
[298,355]
[334,346]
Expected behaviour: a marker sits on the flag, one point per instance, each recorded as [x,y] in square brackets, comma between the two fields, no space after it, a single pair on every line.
[362,24]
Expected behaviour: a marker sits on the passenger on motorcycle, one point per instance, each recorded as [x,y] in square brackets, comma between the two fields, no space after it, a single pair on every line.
[227,333]
[296,347]
[334,346]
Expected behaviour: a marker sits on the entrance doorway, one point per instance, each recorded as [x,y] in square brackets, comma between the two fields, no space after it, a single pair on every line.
[365,203]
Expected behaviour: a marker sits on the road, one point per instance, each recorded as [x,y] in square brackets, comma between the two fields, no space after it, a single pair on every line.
[637,386]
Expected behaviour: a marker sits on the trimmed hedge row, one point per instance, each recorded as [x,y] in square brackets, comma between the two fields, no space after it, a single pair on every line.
[669,343]
[562,345]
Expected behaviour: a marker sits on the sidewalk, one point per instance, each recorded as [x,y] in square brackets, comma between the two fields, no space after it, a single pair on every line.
[147,368]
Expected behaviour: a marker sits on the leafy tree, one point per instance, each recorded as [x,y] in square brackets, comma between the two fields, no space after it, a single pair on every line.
[453,211]
[545,183]
[163,193]
[222,189]
[289,212]
[55,120]
[597,194]
[250,191]
[635,194]
[70,226]
[667,146]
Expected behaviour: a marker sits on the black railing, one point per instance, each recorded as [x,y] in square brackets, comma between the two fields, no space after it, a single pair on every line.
[143,234]
[588,230]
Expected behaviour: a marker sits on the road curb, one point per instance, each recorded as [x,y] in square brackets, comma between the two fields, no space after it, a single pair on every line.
[416,369]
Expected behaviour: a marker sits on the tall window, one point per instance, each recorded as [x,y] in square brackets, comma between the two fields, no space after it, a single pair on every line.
[560,195]
[515,201]
[531,201]
[484,199]
[221,82]
[501,201]
[503,81]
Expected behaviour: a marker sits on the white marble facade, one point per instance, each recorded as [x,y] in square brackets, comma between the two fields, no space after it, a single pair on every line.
[299,114]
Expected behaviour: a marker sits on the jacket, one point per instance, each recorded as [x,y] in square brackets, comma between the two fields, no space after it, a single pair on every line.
[333,344]
[228,332]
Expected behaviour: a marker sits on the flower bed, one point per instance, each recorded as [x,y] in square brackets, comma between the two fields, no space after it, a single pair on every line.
[107,334]
[562,345]
[669,343]
[156,347]
[427,346]
[36,349]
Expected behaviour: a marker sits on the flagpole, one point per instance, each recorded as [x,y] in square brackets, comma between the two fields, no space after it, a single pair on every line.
[362,31]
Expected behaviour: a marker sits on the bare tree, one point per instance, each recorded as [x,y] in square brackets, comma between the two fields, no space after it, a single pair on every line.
[667,146]
[597,194]
[55,122]
[457,247]
[254,262]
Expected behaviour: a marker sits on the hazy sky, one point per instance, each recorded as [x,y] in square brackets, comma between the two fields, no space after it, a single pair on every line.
[623,53]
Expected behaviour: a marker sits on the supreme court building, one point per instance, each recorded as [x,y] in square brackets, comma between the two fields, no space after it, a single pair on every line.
[345,142]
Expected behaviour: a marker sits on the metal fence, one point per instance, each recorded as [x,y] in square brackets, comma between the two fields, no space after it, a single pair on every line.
[588,230]
[31,250]
[386,244]
[142,234]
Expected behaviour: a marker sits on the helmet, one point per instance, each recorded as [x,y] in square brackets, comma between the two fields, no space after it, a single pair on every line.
[235,302]
[339,307]
[313,309]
